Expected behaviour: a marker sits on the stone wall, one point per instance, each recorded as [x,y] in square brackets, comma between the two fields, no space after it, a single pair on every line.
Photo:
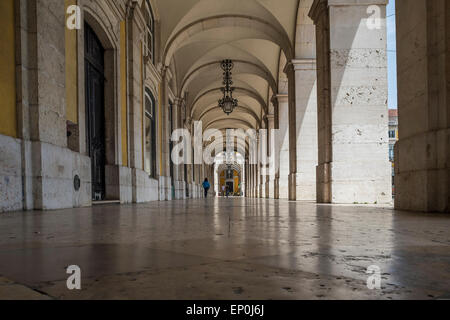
[38,169]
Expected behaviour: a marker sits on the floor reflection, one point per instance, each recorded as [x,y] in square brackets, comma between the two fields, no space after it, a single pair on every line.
[204,248]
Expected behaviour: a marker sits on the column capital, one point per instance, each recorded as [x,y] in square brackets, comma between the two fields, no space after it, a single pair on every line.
[178,101]
[274,100]
[319,6]
[163,70]
[300,65]
[188,121]
[281,98]
[130,7]
[356,2]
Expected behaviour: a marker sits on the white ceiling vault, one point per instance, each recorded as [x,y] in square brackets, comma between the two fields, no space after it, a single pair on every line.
[196,35]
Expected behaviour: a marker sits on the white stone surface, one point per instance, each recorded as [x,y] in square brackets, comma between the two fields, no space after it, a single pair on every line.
[10,174]
[283,147]
[306,125]
[422,157]
[353,115]
[145,188]
[54,169]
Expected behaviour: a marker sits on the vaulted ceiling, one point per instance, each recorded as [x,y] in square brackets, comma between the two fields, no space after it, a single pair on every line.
[196,35]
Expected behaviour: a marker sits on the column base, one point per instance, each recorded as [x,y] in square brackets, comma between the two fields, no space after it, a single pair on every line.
[323,185]
[342,183]
[11,186]
[292,187]
[119,183]
[145,188]
[165,188]
[180,190]
[423,187]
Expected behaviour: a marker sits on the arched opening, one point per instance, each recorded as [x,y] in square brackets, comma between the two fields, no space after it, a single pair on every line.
[95,111]
[150,134]
[229,171]
[101,111]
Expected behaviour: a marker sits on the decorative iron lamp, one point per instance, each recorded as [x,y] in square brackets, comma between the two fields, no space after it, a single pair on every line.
[227,103]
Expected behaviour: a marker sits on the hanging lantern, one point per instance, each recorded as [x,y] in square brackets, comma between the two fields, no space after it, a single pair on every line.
[227,103]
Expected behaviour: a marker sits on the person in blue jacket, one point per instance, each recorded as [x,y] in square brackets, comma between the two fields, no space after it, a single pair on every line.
[206,186]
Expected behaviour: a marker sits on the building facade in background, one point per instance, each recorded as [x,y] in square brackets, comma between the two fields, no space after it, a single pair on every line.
[393,138]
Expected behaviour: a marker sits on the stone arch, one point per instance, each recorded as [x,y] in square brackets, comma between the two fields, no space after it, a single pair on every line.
[233,166]
[248,67]
[257,28]
[239,123]
[305,32]
[242,108]
[96,18]
[245,91]
[155,10]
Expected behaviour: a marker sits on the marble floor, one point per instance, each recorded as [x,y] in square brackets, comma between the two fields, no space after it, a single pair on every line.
[225,249]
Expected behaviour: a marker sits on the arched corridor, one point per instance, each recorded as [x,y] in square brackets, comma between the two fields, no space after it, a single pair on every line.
[114,113]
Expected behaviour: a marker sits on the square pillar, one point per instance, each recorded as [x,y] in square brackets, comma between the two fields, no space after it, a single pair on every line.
[305,74]
[352,102]
[283,147]
[422,154]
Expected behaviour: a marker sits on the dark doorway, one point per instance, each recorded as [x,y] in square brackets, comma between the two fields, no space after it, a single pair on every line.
[230,186]
[186,181]
[95,111]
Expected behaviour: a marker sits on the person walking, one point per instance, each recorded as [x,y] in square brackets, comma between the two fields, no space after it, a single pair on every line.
[206,187]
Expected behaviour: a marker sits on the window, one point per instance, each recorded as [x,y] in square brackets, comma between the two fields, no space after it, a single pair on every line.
[392,134]
[150,134]
[150,38]
[391,152]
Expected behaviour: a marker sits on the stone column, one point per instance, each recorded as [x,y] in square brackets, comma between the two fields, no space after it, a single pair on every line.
[40,159]
[256,181]
[252,181]
[134,176]
[247,179]
[190,160]
[179,180]
[352,102]
[272,154]
[306,128]
[283,147]
[276,181]
[422,154]
[270,176]
[164,179]
[249,176]
[292,130]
